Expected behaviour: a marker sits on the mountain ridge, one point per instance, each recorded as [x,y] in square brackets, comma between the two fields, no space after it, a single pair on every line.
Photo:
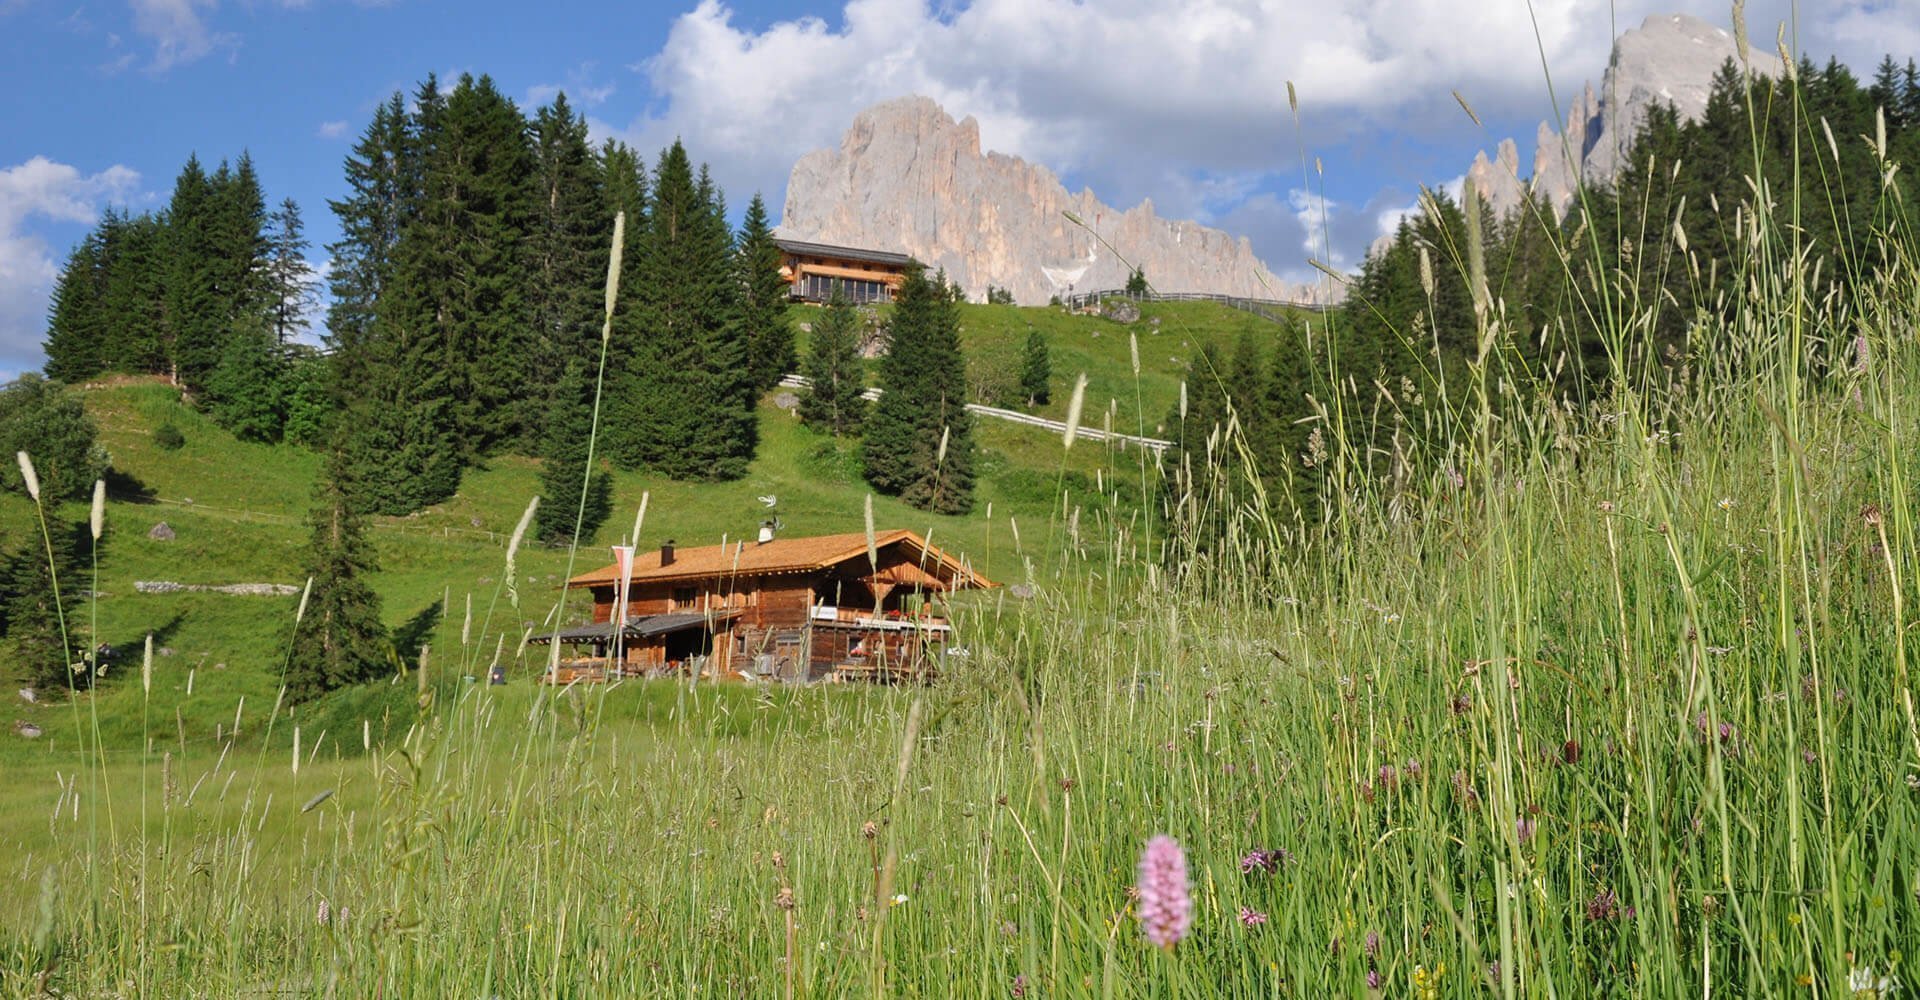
[908,176]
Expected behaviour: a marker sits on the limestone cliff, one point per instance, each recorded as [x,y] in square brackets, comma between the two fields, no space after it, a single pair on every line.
[909,178]
[1670,58]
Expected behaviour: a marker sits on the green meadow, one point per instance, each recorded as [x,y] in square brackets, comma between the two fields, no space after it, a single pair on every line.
[1615,701]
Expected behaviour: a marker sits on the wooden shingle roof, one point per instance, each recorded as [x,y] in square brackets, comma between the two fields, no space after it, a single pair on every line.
[786,555]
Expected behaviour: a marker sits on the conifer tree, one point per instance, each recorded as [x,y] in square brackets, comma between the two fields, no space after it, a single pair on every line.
[460,265]
[388,373]
[195,324]
[371,218]
[239,243]
[340,639]
[563,470]
[684,396]
[918,442]
[567,250]
[77,320]
[135,294]
[309,401]
[1036,370]
[763,306]
[30,619]
[246,390]
[288,278]
[834,402]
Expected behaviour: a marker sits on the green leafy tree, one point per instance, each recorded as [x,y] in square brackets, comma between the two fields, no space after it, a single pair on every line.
[834,402]
[340,639]
[567,493]
[48,422]
[246,391]
[1036,370]
[763,300]
[918,442]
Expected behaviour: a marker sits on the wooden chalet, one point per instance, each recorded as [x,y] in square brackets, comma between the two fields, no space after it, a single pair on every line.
[787,609]
[812,269]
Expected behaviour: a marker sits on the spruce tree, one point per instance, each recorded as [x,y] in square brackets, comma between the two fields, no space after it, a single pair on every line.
[563,469]
[30,618]
[1036,370]
[288,278]
[309,402]
[340,639]
[462,261]
[195,324]
[136,295]
[371,218]
[763,306]
[684,396]
[246,391]
[567,252]
[834,402]
[922,408]
[239,235]
[77,320]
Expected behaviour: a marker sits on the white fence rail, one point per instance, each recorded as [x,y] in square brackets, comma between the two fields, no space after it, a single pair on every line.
[1016,417]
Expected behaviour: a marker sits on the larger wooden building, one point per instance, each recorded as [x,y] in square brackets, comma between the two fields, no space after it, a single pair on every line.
[813,269]
[791,609]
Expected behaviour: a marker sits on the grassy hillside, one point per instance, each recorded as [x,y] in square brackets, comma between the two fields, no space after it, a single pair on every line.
[238,512]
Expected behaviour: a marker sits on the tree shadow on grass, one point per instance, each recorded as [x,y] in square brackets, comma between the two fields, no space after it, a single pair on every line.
[414,633]
[125,487]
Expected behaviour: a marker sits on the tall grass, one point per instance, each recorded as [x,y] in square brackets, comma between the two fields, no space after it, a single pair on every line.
[1598,699]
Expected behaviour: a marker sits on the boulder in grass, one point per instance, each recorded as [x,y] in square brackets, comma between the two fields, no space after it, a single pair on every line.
[26,730]
[162,532]
[1120,310]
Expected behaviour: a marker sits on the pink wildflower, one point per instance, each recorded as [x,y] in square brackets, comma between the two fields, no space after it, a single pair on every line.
[1250,917]
[1166,906]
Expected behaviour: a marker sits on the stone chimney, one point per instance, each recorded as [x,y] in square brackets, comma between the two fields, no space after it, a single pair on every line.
[666,552]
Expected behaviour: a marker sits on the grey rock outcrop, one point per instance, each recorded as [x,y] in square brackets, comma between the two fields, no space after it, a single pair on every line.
[909,178]
[1670,58]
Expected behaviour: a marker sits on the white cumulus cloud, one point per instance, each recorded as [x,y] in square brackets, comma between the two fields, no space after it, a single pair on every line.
[41,190]
[1173,100]
[178,30]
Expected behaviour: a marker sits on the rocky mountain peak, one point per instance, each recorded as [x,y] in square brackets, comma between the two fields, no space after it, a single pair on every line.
[908,177]
[1669,58]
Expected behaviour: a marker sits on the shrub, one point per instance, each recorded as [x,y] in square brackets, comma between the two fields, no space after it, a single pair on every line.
[48,422]
[169,438]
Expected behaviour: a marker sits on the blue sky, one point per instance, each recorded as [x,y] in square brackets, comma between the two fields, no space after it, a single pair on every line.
[1183,102]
